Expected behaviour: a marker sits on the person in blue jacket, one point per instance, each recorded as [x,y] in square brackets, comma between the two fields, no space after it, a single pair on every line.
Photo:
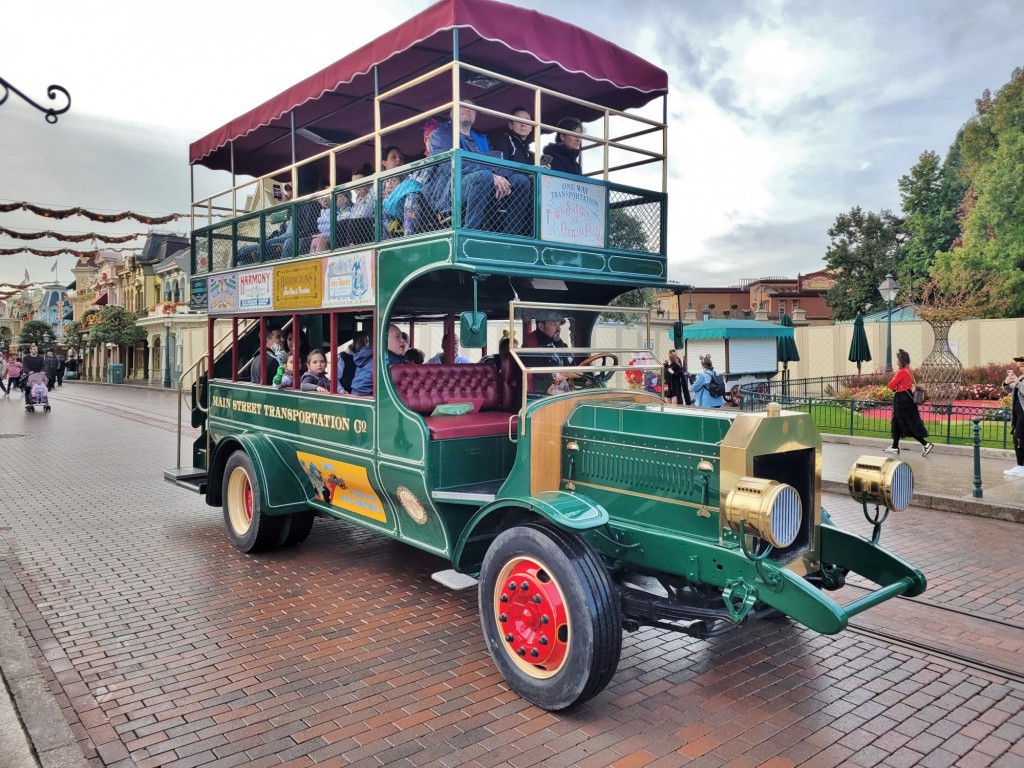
[701,387]
[481,184]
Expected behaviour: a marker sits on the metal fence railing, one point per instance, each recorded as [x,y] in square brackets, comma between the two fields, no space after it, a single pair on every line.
[437,193]
[834,411]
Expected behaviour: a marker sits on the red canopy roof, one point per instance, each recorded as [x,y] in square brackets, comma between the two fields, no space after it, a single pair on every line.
[336,103]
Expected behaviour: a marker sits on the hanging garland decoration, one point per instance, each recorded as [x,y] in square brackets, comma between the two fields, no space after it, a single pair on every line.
[58,251]
[69,238]
[63,213]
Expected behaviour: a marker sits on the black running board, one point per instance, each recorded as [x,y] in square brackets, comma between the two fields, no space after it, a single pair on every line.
[190,478]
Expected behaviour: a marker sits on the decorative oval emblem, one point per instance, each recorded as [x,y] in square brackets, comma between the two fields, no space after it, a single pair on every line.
[412,506]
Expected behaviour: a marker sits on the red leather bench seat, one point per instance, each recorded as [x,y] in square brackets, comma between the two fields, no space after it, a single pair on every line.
[424,387]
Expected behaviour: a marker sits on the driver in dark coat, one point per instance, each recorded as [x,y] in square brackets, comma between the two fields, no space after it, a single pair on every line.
[547,334]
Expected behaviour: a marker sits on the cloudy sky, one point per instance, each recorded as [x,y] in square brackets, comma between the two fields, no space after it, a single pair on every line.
[783,113]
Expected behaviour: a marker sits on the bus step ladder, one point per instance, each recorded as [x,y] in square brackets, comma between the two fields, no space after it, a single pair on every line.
[453,579]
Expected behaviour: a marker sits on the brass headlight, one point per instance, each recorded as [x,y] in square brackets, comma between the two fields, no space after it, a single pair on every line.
[884,481]
[769,509]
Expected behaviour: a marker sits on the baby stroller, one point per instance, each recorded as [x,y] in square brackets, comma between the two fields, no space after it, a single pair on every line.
[36,392]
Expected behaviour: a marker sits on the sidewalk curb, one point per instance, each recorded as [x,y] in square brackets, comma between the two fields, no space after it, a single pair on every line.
[42,734]
[973,507]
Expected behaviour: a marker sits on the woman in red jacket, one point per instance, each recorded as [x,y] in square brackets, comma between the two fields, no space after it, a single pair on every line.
[906,419]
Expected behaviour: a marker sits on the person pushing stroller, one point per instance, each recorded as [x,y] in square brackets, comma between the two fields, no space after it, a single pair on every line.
[31,363]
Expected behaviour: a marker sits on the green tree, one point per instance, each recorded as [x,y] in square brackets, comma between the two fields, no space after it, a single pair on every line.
[638,297]
[931,195]
[74,335]
[864,247]
[992,224]
[625,231]
[116,325]
[33,332]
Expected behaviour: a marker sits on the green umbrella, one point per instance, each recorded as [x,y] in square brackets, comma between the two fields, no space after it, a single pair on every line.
[859,352]
[786,351]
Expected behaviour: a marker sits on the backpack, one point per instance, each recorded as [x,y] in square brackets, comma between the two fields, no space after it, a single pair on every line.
[716,387]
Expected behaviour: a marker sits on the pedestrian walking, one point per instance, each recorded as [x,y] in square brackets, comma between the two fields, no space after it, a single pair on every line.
[906,418]
[3,376]
[13,374]
[708,385]
[52,364]
[61,367]
[1014,385]
[33,362]
[673,378]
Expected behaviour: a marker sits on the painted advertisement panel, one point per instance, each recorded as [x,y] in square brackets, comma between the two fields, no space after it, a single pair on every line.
[223,293]
[342,485]
[256,289]
[298,286]
[197,301]
[572,212]
[348,280]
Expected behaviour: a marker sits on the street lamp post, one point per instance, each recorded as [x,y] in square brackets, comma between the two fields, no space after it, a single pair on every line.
[167,352]
[888,290]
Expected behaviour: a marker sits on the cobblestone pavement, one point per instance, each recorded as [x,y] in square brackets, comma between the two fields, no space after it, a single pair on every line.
[164,646]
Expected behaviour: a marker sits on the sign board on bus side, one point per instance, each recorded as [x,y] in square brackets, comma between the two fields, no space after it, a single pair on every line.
[573,212]
[334,281]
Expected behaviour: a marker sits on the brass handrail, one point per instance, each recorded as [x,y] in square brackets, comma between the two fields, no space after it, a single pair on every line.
[198,368]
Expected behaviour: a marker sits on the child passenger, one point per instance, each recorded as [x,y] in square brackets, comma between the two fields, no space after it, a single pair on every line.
[315,378]
[285,376]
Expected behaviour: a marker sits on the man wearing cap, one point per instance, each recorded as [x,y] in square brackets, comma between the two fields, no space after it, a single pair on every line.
[1014,385]
[547,334]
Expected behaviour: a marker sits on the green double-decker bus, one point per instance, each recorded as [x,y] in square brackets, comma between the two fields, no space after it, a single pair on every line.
[489,184]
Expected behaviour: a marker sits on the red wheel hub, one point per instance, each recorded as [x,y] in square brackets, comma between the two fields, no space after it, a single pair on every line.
[247,499]
[532,616]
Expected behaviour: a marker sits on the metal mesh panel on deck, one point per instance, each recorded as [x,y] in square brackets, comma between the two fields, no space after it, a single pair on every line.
[354,224]
[220,256]
[634,221]
[416,202]
[504,205]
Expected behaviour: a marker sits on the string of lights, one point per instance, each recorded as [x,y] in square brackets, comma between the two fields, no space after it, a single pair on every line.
[63,213]
[69,237]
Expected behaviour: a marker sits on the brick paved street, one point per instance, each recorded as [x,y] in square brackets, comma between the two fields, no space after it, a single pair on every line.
[164,646]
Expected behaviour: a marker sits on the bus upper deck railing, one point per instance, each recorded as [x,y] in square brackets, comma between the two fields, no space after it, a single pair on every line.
[431,195]
[835,411]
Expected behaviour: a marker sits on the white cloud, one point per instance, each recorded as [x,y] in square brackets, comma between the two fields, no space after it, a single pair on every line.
[784,114]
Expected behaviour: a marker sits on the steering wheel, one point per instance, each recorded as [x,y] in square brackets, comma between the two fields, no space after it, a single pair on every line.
[589,380]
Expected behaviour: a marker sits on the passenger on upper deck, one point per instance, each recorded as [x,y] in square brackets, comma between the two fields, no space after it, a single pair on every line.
[514,142]
[480,184]
[391,158]
[439,357]
[362,197]
[279,246]
[343,200]
[565,149]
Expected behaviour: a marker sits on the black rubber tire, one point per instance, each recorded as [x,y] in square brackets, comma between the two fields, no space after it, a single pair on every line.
[594,638]
[295,529]
[249,529]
